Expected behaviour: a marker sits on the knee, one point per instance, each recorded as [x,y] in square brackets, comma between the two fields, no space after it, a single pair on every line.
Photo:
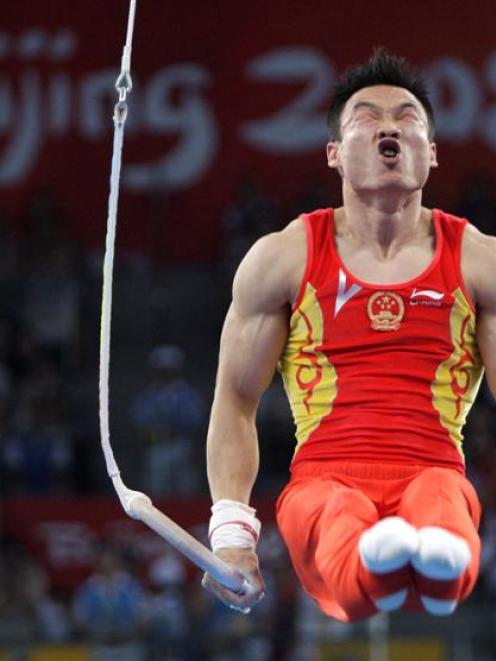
[441,497]
[425,486]
[350,504]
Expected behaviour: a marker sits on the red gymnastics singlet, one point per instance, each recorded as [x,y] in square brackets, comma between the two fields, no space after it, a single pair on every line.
[381,373]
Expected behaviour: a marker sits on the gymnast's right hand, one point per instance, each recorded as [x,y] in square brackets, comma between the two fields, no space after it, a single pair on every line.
[245,562]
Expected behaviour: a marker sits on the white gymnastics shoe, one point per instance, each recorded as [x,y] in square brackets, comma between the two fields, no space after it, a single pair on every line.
[392,602]
[440,555]
[388,545]
[440,607]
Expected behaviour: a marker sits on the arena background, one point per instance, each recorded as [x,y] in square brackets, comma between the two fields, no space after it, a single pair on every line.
[225,141]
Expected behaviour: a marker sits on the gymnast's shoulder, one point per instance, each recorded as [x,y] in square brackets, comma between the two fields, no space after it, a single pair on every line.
[273,268]
[479,265]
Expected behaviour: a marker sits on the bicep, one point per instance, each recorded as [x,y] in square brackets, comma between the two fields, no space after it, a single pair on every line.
[256,327]
[486,338]
[479,269]
[251,345]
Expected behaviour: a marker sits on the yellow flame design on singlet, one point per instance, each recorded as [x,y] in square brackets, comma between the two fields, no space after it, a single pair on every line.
[458,378]
[309,378]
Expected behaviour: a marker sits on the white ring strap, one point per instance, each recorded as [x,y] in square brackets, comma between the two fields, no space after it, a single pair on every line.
[136,504]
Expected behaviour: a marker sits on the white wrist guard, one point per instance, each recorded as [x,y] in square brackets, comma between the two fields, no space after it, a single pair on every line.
[233,525]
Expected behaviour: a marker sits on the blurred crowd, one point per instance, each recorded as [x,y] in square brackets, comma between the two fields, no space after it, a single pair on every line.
[49,439]
[163,615]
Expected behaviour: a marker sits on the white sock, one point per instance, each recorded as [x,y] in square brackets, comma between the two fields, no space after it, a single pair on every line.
[440,555]
[392,602]
[388,545]
[439,607]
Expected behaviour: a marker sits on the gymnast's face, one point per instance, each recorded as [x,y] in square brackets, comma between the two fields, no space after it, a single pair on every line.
[384,141]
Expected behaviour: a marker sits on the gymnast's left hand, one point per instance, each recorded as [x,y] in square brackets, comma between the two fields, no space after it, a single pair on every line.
[245,562]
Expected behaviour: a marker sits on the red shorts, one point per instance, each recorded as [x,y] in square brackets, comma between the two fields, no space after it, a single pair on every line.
[326,506]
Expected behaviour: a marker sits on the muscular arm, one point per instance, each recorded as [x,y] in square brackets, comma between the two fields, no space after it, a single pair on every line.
[253,337]
[480,263]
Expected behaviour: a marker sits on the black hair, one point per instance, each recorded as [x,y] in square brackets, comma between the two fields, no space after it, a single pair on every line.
[383,68]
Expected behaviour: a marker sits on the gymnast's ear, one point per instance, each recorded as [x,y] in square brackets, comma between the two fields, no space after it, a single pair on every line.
[333,149]
[433,148]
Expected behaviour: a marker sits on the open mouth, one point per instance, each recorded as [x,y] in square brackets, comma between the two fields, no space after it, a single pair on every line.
[389,148]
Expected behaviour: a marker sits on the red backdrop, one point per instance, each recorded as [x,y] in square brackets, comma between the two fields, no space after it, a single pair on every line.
[223,91]
[64,533]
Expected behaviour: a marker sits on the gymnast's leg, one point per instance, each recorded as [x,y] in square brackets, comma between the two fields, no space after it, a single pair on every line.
[321,521]
[444,508]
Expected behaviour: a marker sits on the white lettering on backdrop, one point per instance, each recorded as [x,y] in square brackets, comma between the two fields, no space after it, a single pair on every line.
[173,103]
[301,125]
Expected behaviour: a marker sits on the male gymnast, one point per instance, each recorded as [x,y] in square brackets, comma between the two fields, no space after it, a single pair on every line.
[381,317]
